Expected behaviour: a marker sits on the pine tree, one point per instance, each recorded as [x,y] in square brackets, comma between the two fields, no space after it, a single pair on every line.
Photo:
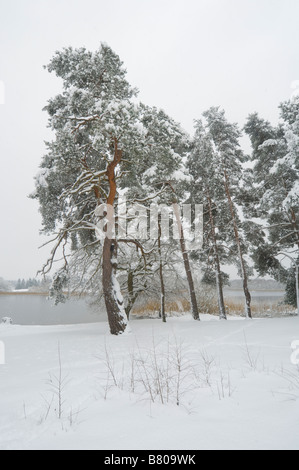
[275,192]
[206,186]
[94,121]
[230,158]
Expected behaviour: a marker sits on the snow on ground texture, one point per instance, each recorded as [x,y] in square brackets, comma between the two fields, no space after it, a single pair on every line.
[234,382]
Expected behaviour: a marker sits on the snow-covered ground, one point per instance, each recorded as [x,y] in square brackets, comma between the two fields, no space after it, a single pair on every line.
[234,382]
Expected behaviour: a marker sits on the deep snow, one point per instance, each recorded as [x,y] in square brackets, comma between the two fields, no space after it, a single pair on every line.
[247,398]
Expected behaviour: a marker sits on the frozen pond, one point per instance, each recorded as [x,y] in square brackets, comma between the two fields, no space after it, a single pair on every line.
[38,310]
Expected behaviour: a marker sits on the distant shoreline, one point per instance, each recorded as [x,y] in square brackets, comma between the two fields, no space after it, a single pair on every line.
[45,294]
[36,294]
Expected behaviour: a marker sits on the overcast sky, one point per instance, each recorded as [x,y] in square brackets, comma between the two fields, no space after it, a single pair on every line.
[183,55]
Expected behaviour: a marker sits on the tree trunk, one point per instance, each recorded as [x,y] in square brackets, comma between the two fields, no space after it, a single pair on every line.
[132,297]
[162,312]
[113,298]
[129,307]
[248,312]
[187,266]
[219,283]
[112,295]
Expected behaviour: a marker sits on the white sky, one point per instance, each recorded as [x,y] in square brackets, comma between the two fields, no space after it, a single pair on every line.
[183,55]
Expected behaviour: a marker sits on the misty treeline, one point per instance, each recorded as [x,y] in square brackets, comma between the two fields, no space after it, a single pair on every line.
[27,283]
[108,144]
[31,284]
[34,285]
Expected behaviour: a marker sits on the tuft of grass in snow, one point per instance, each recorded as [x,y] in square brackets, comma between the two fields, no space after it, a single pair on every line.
[163,373]
[292,378]
[252,358]
[55,404]
[159,374]
[58,384]
[208,363]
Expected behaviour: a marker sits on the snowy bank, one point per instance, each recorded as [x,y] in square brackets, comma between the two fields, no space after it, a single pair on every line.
[236,389]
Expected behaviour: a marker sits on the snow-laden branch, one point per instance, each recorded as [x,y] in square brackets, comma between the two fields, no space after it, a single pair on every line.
[286,237]
[85,183]
[83,121]
[150,198]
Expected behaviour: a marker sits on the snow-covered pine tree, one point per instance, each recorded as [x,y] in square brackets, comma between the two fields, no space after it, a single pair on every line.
[287,167]
[206,187]
[275,194]
[229,160]
[95,124]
